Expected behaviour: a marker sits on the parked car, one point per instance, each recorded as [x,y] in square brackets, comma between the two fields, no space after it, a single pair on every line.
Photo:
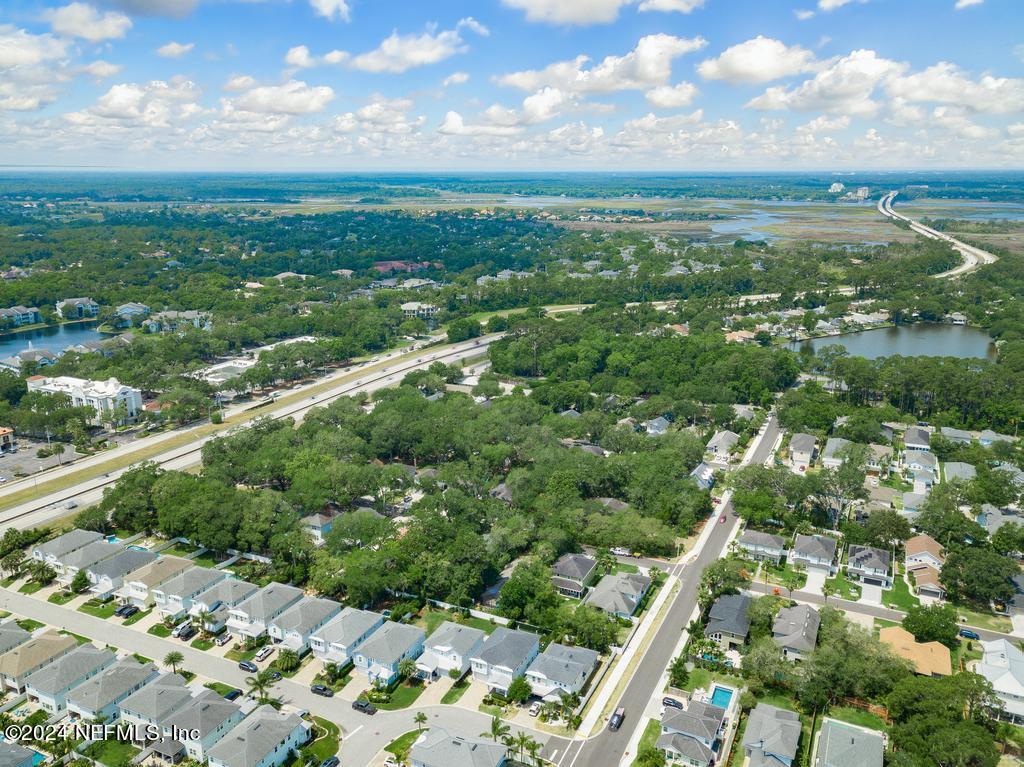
[619,551]
[322,690]
[969,634]
[234,694]
[248,665]
[119,612]
[187,633]
[671,703]
[617,718]
[364,706]
[181,627]
[263,654]
[331,761]
[535,709]
[129,611]
[223,639]
[273,674]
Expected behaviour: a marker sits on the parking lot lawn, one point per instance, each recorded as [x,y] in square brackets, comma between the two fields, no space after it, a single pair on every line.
[159,630]
[400,746]
[326,743]
[858,717]
[98,609]
[60,597]
[202,644]
[843,588]
[114,753]
[28,624]
[30,588]
[219,687]
[137,617]
[456,691]
[899,596]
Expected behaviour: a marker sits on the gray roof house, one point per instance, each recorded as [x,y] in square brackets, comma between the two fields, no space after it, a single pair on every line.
[870,565]
[835,452]
[107,576]
[174,597]
[252,617]
[728,622]
[922,461]
[336,641]
[378,657]
[561,671]
[691,735]
[772,737]
[505,655]
[916,438]
[912,503]
[987,437]
[139,584]
[209,717]
[13,755]
[762,546]
[956,435]
[572,573]
[1002,664]
[154,704]
[619,594]
[49,687]
[704,475]
[437,747]
[298,623]
[846,745]
[449,649]
[218,601]
[801,450]
[53,551]
[992,517]
[722,443]
[12,635]
[818,551]
[83,558]
[100,695]
[266,738]
[795,630]
[958,470]
[656,426]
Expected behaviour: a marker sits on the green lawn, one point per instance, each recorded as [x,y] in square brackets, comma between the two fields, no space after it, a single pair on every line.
[430,618]
[738,755]
[78,637]
[490,710]
[899,596]
[403,696]
[988,621]
[966,651]
[624,567]
[400,746]
[785,576]
[10,579]
[220,688]
[209,559]
[98,609]
[240,655]
[28,624]
[650,736]
[702,677]
[31,587]
[159,630]
[60,597]
[202,644]
[177,550]
[326,744]
[142,658]
[843,588]
[114,753]
[858,717]
[456,692]
[137,617]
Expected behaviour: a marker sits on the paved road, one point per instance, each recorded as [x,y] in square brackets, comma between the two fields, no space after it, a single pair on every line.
[607,749]
[363,736]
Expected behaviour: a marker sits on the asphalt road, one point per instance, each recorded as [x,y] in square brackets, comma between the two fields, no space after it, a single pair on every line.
[608,748]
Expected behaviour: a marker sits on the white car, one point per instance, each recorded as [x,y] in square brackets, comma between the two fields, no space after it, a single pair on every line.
[535,709]
[223,639]
[620,552]
[263,654]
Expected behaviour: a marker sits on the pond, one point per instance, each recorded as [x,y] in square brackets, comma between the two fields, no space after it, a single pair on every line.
[922,339]
[54,339]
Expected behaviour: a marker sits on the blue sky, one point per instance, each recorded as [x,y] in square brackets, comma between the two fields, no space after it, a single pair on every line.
[512,84]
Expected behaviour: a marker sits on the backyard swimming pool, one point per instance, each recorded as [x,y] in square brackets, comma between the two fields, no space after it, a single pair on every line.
[720,696]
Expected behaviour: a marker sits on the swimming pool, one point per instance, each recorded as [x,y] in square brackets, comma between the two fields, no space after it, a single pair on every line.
[37,759]
[720,696]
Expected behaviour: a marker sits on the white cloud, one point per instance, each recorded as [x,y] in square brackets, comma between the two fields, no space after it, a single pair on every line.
[19,48]
[382,115]
[831,5]
[454,125]
[299,56]
[646,66]
[759,60]
[669,6]
[331,8]
[101,69]
[541,106]
[173,50]
[456,78]
[671,96]
[239,83]
[292,98]
[84,21]
[157,104]
[399,53]
[956,120]
[585,12]
[947,83]
[803,14]
[173,8]
[961,4]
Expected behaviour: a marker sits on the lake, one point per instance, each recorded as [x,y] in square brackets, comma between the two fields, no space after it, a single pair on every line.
[922,339]
[54,339]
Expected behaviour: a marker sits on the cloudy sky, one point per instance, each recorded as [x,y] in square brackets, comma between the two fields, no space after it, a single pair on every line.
[512,84]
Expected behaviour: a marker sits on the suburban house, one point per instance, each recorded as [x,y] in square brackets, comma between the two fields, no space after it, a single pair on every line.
[772,737]
[218,600]
[989,437]
[927,658]
[814,551]
[174,597]
[572,574]
[505,655]
[656,426]
[619,594]
[916,439]
[721,444]
[266,738]
[107,576]
[127,314]
[294,627]
[691,735]
[922,462]
[12,635]
[380,655]
[13,755]
[39,357]
[154,704]
[958,471]
[418,310]
[449,649]
[795,630]
[99,697]
[879,460]
[992,517]
[337,640]
[53,551]
[923,551]
[208,717]
[137,586]
[704,475]
[561,671]
[835,452]
[16,316]
[20,662]
[802,449]
[846,745]
[50,685]
[912,503]
[318,526]
[77,308]
[958,436]
[1002,664]
[437,747]
[870,565]
[927,582]
[252,617]
[728,622]
[172,321]
[762,546]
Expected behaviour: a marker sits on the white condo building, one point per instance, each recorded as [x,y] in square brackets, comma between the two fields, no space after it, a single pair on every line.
[102,396]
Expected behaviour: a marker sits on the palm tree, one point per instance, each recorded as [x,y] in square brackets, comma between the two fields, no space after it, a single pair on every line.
[406,668]
[520,742]
[287,659]
[260,684]
[41,572]
[201,619]
[420,719]
[498,729]
[172,659]
[532,748]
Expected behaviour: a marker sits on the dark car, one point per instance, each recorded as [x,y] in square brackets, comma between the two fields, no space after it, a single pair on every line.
[364,706]
[671,703]
[187,633]
[968,634]
[331,761]
[617,718]
[234,693]
[274,675]
[130,611]
[248,665]
[322,689]
[119,612]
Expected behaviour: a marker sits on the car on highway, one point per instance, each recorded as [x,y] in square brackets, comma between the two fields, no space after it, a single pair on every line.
[322,690]
[969,634]
[71,505]
[364,706]
[617,718]
[248,665]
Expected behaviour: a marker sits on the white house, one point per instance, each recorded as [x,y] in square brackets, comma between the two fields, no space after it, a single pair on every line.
[53,551]
[437,747]
[817,551]
[380,655]
[107,576]
[917,439]
[50,685]
[84,558]
[153,705]
[23,660]
[1002,664]
[802,449]
[337,640]
[870,565]
[560,671]
[173,598]
[207,717]
[102,396]
[834,454]
[505,655]
[137,586]
[217,601]
[449,649]
[721,444]
[293,627]
[99,697]
[252,617]
[923,551]
[266,738]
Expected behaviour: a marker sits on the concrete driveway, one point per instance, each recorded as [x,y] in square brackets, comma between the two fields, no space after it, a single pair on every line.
[815,581]
[870,595]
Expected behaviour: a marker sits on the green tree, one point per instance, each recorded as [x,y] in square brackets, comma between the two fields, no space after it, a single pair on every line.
[498,729]
[406,668]
[287,660]
[978,575]
[174,659]
[933,623]
[519,691]
[420,719]
[80,582]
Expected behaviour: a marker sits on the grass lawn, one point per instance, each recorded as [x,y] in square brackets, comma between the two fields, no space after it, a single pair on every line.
[988,621]
[6,582]
[208,559]
[159,630]
[98,609]
[60,597]
[202,644]
[239,655]
[137,617]
[219,687]
[327,742]
[400,746]
[430,618]
[650,736]
[490,710]
[702,677]
[142,658]
[624,567]
[177,550]
[858,717]
[78,637]
[785,576]
[403,697]
[28,624]
[843,588]
[114,753]
[738,755]
[899,596]
[30,588]
[457,691]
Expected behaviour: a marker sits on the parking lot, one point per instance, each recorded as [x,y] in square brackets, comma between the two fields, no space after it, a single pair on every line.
[25,462]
